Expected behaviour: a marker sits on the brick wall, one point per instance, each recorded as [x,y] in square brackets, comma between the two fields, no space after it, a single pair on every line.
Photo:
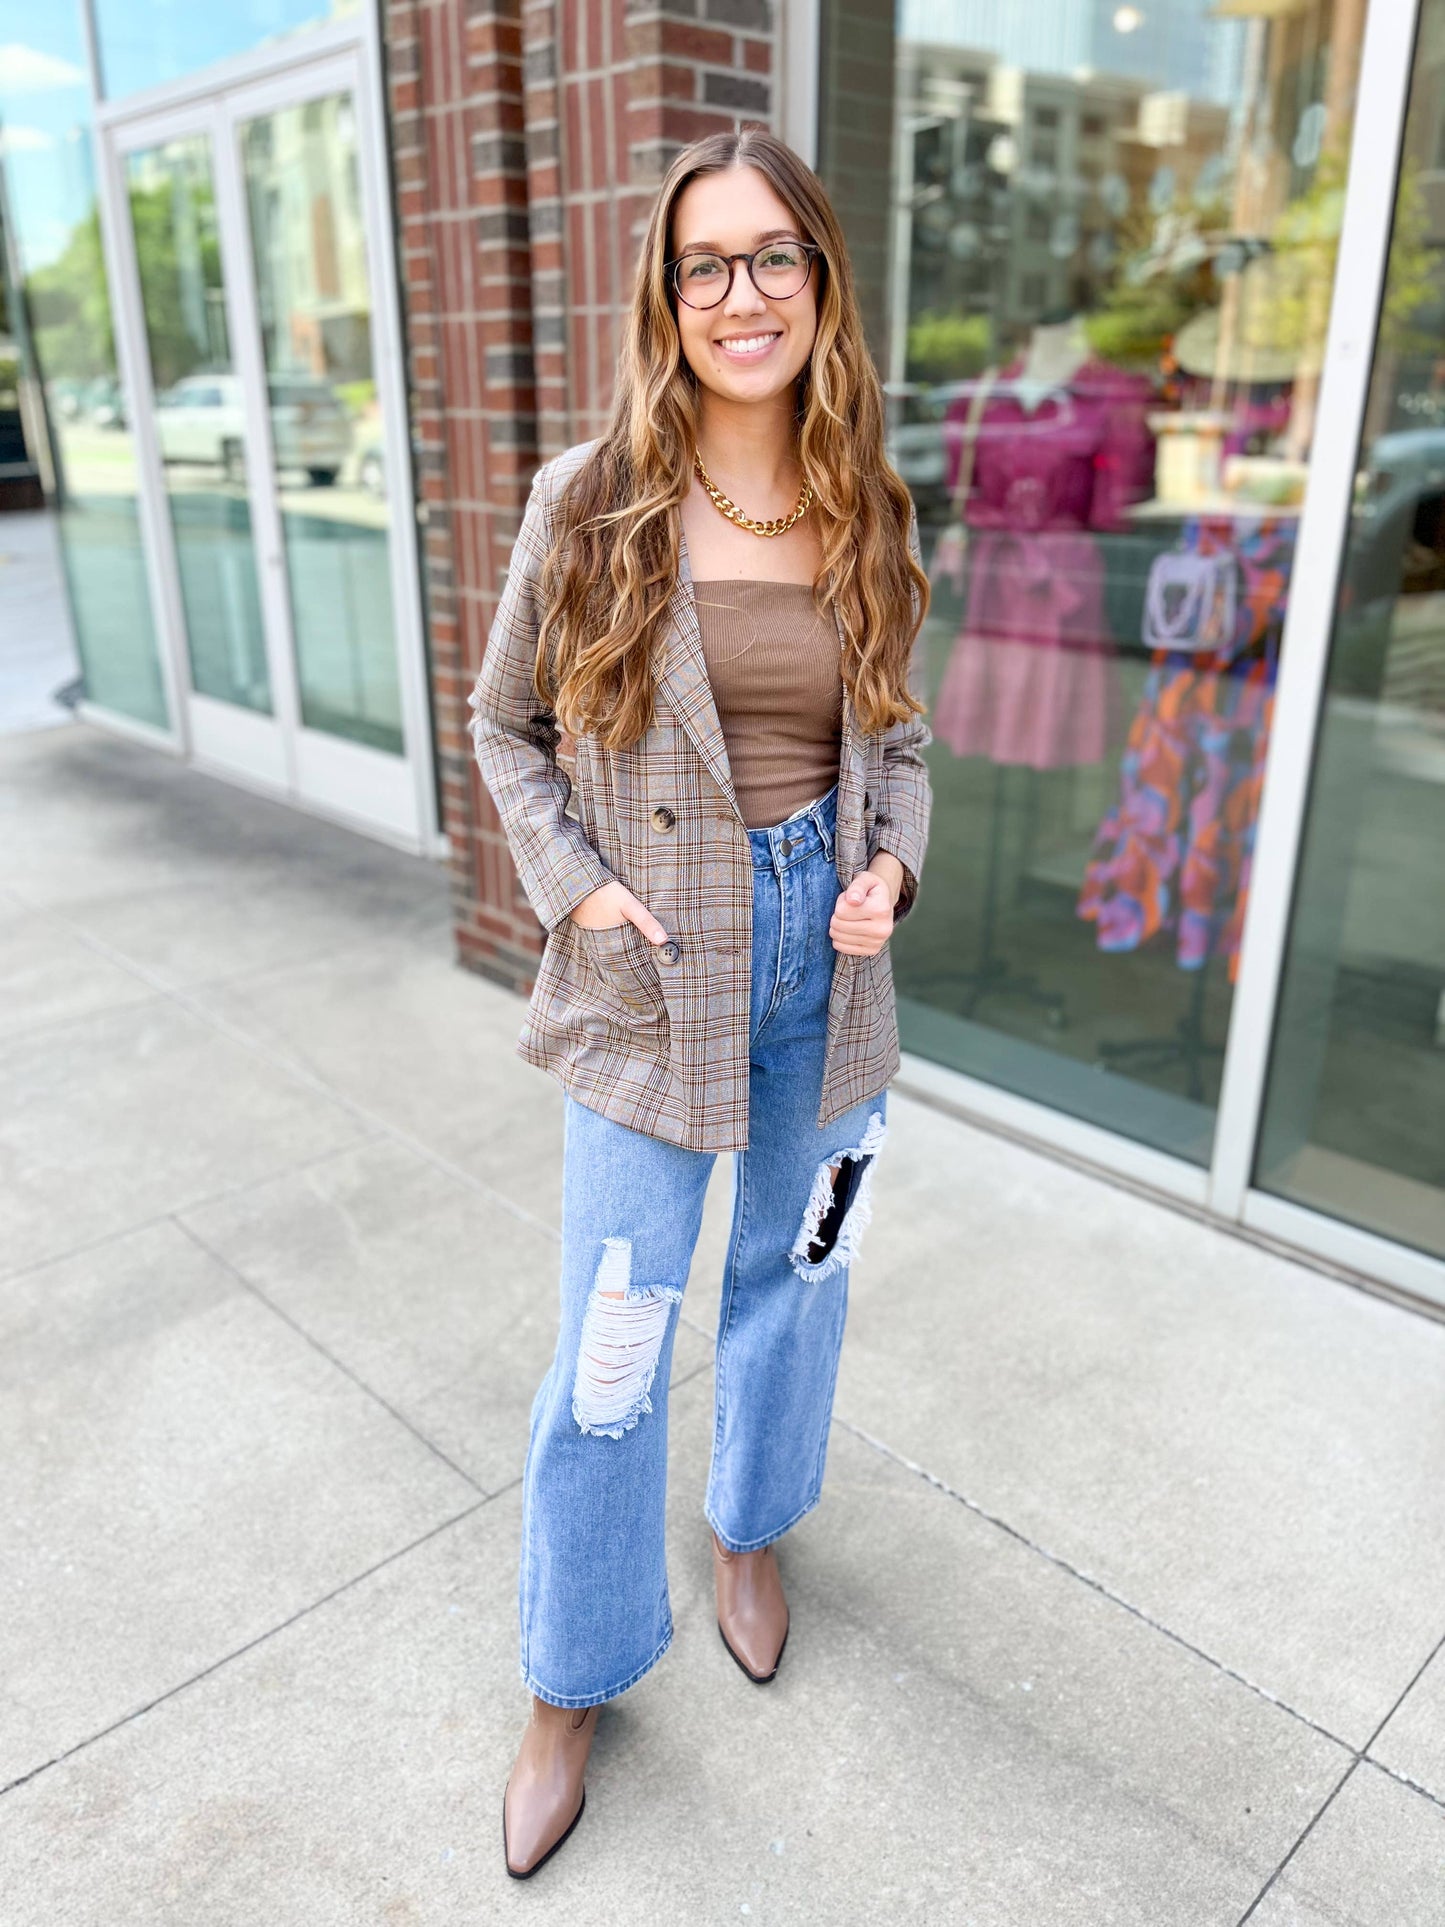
[528,138]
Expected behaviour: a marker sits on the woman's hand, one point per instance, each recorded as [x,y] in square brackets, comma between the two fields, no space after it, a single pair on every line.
[613,905]
[862,919]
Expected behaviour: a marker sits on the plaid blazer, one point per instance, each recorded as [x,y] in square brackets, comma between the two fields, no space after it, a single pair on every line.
[656,1037]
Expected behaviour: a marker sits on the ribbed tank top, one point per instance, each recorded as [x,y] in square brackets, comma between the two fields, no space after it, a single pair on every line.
[777,682]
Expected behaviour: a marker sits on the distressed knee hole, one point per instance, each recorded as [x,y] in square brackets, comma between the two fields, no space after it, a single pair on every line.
[622,1334]
[845,1176]
[838,1208]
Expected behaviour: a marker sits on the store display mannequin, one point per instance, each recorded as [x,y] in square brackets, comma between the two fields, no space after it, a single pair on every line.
[1041,454]
[1056,352]
[1044,454]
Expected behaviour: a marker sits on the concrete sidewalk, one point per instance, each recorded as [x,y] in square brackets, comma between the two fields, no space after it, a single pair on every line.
[1124,1604]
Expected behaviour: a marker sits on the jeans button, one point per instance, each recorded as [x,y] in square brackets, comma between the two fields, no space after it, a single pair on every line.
[672,950]
[663,818]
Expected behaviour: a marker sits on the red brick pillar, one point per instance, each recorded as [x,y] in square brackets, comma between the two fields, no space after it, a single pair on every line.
[528,137]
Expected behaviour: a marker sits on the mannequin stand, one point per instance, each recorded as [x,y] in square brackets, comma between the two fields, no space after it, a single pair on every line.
[1186,1045]
[993,976]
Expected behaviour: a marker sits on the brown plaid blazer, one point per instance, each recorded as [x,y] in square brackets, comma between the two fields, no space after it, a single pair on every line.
[657,1036]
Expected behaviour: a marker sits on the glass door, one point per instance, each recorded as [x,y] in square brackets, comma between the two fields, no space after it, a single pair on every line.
[253,234]
[202,432]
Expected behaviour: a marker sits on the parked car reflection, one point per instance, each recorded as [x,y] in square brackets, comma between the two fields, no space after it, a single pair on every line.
[202,420]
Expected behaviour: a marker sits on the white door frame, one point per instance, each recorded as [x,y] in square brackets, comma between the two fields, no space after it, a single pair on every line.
[387,796]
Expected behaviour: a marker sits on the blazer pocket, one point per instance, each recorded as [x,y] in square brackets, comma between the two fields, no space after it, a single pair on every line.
[620,958]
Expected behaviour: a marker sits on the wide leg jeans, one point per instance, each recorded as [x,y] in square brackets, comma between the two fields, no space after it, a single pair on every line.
[594,1607]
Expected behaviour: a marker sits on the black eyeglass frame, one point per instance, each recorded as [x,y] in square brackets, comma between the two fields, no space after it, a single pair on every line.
[810,248]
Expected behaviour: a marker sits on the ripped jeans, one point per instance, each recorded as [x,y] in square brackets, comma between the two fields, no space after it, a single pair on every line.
[594,1606]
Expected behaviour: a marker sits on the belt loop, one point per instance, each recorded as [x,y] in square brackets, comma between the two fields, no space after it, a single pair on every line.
[819,816]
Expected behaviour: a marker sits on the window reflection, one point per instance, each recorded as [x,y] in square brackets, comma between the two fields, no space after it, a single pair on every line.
[49,199]
[1104,246]
[313,290]
[1355,1112]
[200,418]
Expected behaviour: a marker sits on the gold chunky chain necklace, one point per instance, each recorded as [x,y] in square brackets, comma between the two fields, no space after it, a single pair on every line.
[779,525]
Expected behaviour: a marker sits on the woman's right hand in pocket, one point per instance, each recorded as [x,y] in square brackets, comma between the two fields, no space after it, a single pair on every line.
[609,907]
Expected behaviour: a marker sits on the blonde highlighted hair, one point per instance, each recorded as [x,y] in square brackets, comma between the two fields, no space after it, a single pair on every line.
[615,556]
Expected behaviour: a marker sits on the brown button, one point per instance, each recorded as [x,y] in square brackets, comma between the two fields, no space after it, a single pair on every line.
[663,818]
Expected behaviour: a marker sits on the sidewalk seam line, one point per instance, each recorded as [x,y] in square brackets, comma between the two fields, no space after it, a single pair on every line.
[1357,1755]
[227,1265]
[1095,1585]
[1365,1757]
[191,1204]
[305,1074]
[1294,1849]
[239,1652]
[148,995]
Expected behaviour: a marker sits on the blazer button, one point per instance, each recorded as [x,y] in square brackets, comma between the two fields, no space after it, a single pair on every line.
[672,949]
[663,818]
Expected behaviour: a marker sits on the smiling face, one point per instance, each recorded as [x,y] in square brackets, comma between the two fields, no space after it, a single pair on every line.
[750,347]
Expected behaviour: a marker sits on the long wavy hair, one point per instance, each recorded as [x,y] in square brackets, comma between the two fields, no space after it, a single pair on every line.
[614,561]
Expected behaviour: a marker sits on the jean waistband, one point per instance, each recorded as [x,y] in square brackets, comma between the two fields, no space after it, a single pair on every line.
[803,834]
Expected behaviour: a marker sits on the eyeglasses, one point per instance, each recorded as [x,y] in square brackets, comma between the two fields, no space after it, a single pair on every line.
[701,279]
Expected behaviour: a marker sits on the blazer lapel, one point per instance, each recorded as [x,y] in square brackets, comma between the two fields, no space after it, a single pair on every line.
[685,679]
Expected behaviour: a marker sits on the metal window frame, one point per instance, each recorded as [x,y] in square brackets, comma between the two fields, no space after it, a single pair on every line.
[797,84]
[341,53]
[1224,1192]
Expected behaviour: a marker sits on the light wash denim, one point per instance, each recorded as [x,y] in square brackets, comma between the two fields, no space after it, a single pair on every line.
[594,1606]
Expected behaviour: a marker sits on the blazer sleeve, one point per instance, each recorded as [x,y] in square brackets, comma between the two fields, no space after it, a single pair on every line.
[557,864]
[905,798]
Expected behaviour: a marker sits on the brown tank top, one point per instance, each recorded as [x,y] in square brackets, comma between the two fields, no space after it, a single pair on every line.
[777,680]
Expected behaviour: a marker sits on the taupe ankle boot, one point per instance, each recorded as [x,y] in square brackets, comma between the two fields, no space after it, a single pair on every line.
[544,1797]
[752,1614]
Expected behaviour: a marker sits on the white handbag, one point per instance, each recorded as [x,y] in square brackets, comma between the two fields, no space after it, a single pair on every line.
[1190,603]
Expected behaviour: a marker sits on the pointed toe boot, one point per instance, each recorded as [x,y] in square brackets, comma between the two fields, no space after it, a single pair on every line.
[544,1795]
[752,1614]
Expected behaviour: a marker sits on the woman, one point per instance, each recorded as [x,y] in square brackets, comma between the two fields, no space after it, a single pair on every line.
[747,821]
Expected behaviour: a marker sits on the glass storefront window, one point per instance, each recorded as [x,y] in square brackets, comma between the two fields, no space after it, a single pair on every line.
[1354,1120]
[50,209]
[145,43]
[1098,245]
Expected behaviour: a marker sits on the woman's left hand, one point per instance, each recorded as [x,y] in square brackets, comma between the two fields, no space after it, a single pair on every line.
[862,919]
